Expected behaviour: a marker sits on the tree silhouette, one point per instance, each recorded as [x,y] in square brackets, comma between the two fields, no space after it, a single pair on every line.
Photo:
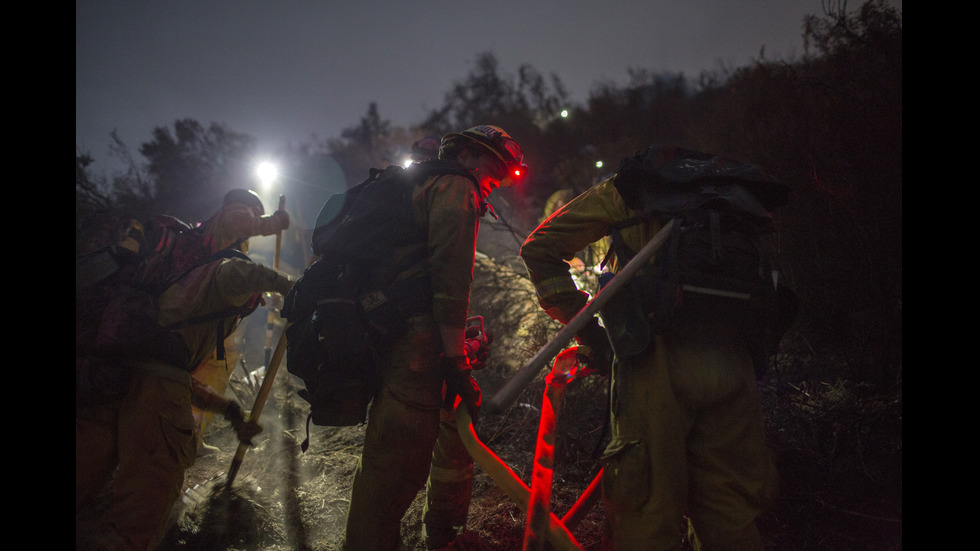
[193,167]
[829,125]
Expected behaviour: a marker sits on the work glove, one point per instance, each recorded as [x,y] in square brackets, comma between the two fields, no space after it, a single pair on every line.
[245,430]
[282,286]
[282,218]
[594,349]
[459,382]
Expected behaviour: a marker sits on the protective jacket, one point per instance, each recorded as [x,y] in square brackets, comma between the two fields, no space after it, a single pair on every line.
[144,441]
[237,221]
[686,417]
[407,445]
[579,223]
[215,287]
[233,223]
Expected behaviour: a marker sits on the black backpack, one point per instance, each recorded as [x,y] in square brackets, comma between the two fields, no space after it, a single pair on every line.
[116,294]
[715,263]
[336,323]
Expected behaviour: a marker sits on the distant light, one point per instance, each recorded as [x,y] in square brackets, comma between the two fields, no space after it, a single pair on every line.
[598,164]
[564,113]
[407,162]
[267,173]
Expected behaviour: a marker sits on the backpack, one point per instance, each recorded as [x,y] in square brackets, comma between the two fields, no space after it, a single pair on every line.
[336,323]
[116,294]
[715,264]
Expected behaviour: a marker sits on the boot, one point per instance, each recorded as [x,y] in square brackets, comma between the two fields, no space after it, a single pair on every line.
[438,538]
[204,449]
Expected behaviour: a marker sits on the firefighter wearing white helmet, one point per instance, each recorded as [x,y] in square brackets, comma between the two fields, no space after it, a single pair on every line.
[134,447]
[411,440]
[240,217]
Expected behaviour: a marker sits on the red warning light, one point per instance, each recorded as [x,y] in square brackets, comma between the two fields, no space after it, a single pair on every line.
[516,174]
[518,170]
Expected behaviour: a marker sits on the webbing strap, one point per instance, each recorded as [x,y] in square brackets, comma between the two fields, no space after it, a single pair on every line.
[714,227]
[232,311]
[623,253]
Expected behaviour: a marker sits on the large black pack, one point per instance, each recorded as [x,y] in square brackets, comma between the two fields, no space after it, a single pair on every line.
[337,322]
[116,308]
[715,263]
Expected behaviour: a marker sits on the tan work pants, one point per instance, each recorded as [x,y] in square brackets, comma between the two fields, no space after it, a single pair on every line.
[216,374]
[688,440]
[146,438]
[406,448]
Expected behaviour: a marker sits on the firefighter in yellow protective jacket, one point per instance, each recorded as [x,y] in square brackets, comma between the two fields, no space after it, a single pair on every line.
[686,417]
[411,439]
[241,216]
[144,440]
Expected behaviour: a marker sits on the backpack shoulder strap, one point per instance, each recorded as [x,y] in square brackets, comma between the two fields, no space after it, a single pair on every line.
[229,312]
[431,167]
[228,252]
[441,166]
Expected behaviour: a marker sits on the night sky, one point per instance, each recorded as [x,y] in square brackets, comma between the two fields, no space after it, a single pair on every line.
[288,71]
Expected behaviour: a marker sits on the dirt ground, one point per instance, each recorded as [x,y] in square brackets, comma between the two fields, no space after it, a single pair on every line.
[838,448]
[838,451]
[839,462]
[286,499]
[283,498]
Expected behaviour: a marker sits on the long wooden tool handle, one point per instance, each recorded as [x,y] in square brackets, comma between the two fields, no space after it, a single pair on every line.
[272,366]
[275,258]
[260,398]
[270,318]
[513,388]
[515,488]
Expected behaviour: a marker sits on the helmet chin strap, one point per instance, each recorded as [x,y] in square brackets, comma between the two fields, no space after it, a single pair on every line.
[484,188]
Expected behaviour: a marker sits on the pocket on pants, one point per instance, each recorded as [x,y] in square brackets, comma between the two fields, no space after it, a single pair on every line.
[180,441]
[177,423]
[626,480]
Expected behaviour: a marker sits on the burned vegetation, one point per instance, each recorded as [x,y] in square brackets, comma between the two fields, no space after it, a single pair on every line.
[838,446]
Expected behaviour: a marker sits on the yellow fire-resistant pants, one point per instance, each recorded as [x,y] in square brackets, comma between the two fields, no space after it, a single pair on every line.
[688,440]
[148,435]
[216,374]
[407,448]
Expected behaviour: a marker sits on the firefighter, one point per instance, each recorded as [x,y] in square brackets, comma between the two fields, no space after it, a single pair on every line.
[426,148]
[686,417]
[241,216]
[411,439]
[143,438]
